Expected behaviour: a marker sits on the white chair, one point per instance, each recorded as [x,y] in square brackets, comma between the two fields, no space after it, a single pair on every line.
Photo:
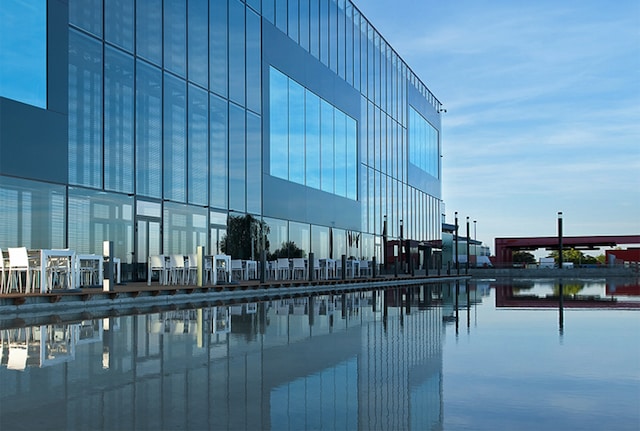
[299,269]
[18,264]
[2,275]
[237,272]
[283,269]
[176,269]
[365,268]
[157,264]
[251,269]
[192,269]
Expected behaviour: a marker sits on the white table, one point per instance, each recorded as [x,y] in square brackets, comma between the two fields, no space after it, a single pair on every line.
[93,259]
[224,260]
[45,256]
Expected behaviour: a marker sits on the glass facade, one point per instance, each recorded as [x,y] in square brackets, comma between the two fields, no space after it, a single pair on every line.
[298,113]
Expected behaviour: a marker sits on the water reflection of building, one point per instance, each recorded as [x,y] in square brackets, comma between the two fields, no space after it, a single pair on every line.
[333,361]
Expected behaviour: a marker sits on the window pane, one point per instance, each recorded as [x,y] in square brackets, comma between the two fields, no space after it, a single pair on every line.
[149,30]
[304,24]
[175,37]
[279,129]
[198,45]
[218,46]
[340,145]
[268,10]
[118,21]
[118,121]
[23,44]
[237,162]
[236,52]
[254,164]
[185,228]
[314,28]
[296,132]
[312,134]
[254,62]
[86,14]
[198,145]
[281,15]
[326,143]
[148,130]
[33,214]
[85,110]
[352,158]
[218,143]
[175,142]
[293,19]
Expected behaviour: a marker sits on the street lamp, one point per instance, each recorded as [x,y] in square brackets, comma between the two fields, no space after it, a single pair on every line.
[456,242]
[560,257]
[402,244]
[468,246]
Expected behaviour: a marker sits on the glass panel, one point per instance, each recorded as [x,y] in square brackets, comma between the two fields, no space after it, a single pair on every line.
[255,4]
[85,110]
[349,43]
[175,142]
[277,233]
[33,214]
[296,132]
[324,31]
[148,130]
[175,37]
[320,241]
[237,52]
[314,28]
[340,146]
[118,22]
[86,14]
[304,24]
[185,228]
[326,144]
[99,217]
[281,15]
[254,62]
[352,158]
[198,48]
[237,161]
[268,10]
[293,20]
[23,44]
[278,124]
[312,134]
[341,40]
[198,145]
[254,164]
[339,243]
[149,30]
[299,234]
[356,49]
[118,121]
[218,46]
[333,35]
[218,145]
[423,144]
[149,209]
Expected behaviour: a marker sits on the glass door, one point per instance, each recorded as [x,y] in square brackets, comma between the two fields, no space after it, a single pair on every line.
[149,242]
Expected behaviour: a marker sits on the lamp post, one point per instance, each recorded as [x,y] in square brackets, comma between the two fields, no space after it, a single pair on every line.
[560,247]
[468,245]
[384,242]
[456,242]
[402,244]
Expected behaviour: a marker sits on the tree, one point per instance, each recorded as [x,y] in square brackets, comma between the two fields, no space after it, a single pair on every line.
[523,257]
[288,249]
[574,256]
[243,236]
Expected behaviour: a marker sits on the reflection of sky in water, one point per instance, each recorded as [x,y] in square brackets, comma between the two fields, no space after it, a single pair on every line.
[333,363]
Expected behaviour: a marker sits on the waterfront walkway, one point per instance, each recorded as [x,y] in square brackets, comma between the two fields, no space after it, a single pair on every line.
[135,297]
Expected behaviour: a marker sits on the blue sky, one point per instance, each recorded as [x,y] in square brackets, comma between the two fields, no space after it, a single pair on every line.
[543,108]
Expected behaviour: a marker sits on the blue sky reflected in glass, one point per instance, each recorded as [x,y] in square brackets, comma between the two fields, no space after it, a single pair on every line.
[23,44]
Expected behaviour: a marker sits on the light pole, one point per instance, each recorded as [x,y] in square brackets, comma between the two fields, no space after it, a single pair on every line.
[456,238]
[468,245]
[560,257]
[402,244]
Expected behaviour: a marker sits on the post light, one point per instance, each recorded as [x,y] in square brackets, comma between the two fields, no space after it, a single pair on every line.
[468,246]
[560,247]
[456,243]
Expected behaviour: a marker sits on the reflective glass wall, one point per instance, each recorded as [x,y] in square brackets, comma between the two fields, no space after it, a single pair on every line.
[175,105]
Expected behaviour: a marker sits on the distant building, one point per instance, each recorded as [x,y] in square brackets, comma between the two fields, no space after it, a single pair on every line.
[150,123]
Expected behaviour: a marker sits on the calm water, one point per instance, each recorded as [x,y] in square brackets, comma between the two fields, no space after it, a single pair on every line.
[429,358]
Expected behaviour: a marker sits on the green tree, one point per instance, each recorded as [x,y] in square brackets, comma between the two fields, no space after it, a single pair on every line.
[243,236]
[572,255]
[523,257]
[288,249]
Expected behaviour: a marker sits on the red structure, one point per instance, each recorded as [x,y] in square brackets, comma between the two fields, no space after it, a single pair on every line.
[620,256]
[506,246]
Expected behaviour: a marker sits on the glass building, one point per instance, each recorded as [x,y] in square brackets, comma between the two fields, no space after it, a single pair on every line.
[149,123]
